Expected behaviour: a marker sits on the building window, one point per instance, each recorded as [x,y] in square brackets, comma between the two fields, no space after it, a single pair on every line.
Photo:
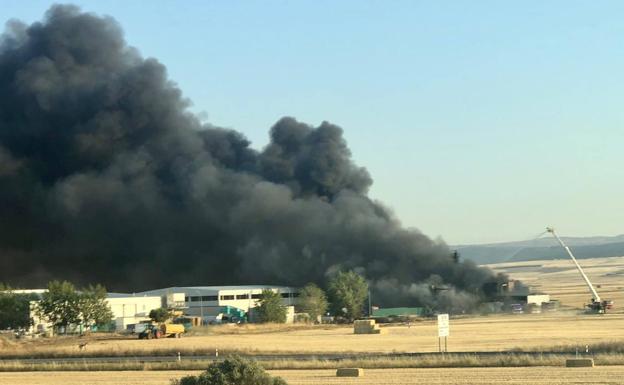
[187,299]
[227,297]
[256,296]
[210,298]
[242,296]
[195,299]
[295,295]
[285,295]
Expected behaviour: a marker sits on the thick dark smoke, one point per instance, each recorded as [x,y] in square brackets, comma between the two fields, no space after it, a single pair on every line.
[106,177]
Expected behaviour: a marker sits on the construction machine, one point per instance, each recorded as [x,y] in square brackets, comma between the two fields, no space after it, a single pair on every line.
[597,305]
[162,331]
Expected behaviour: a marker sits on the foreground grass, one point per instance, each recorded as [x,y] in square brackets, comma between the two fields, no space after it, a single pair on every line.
[546,375]
[425,361]
[614,348]
[606,347]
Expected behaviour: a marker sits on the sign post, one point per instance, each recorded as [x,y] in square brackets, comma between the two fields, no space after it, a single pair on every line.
[443,331]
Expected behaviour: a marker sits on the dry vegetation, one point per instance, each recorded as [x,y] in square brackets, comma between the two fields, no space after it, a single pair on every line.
[230,329]
[427,361]
[447,376]
[492,333]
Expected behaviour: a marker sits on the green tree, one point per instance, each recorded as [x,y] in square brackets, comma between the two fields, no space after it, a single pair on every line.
[270,308]
[15,308]
[232,371]
[312,300]
[60,305]
[159,315]
[94,310]
[348,292]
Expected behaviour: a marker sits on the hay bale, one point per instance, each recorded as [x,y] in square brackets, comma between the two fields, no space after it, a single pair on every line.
[367,326]
[350,372]
[580,363]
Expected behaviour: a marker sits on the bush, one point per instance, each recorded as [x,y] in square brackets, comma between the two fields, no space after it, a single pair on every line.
[14,309]
[232,371]
[270,308]
[312,300]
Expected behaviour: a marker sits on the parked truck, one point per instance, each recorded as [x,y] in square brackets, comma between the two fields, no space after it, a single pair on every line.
[162,331]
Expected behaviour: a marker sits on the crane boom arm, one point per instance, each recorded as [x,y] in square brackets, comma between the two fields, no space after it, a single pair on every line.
[567,249]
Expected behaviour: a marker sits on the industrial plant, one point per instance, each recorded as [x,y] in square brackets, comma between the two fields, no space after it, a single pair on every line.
[204,305]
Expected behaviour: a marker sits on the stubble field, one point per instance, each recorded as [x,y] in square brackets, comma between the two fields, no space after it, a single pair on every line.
[453,376]
[562,281]
[492,333]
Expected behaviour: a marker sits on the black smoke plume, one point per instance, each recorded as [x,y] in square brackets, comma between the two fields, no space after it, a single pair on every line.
[106,177]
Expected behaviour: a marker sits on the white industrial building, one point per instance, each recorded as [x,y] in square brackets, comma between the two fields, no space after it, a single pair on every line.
[537,299]
[131,309]
[209,301]
[126,308]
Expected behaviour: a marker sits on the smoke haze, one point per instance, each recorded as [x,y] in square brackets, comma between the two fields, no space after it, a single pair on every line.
[106,177]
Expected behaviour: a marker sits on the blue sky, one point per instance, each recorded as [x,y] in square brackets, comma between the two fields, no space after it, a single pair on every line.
[479,121]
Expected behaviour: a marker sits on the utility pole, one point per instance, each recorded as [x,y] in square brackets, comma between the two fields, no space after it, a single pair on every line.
[201,306]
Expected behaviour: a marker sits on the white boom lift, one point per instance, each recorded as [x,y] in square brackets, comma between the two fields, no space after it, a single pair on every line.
[597,304]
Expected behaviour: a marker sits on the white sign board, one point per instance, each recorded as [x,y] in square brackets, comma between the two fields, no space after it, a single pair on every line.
[443,325]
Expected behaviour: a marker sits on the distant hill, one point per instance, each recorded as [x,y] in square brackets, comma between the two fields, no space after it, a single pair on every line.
[543,248]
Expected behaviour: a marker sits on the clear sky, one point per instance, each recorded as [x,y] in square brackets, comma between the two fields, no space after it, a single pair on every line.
[479,121]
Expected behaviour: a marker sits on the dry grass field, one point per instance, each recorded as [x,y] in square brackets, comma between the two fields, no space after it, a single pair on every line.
[562,281]
[489,333]
[452,376]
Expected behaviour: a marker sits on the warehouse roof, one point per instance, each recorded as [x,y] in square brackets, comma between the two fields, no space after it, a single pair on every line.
[178,289]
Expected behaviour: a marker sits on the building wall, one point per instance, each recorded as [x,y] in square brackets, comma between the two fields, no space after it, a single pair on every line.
[246,299]
[130,310]
[207,301]
[126,310]
[538,299]
[195,301]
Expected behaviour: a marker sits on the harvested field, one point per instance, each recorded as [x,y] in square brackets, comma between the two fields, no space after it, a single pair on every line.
[561,279]
[457,376]
[491,333]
